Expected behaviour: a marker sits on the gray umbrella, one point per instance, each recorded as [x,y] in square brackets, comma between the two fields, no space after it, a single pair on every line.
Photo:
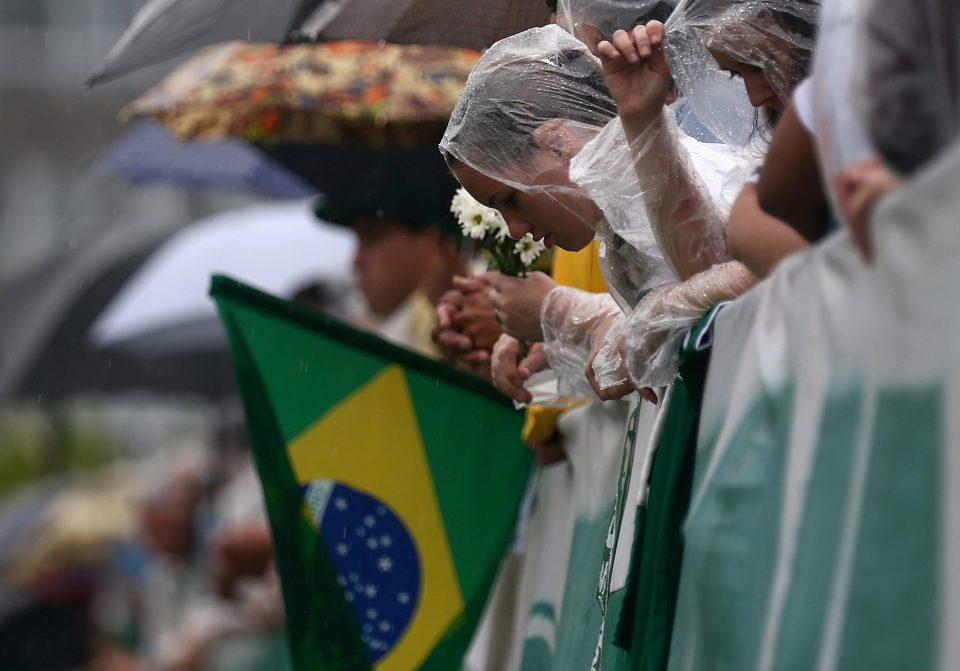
[45,353]
[167,28]
[163,29]
[129,311]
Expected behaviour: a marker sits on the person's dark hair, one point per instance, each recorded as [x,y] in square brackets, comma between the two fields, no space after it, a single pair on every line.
[796,23]
[552,5]
[512,99]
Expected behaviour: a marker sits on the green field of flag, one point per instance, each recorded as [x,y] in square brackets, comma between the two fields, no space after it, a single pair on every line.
[392,484]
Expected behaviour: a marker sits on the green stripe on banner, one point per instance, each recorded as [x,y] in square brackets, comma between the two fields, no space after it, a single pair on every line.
[897,542]
[727,543]
[821,528]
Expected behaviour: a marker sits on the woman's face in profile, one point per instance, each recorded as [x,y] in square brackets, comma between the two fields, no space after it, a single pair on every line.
[553,210]
[759,90]
[760,52]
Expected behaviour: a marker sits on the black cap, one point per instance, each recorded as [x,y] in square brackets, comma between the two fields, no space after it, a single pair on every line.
[412,184]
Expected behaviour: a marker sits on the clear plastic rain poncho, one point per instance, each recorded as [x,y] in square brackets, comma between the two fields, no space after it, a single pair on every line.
[776,36]
[592,21]
[647,337]
[546,76]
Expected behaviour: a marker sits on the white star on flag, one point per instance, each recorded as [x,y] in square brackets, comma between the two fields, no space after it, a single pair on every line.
[385,564]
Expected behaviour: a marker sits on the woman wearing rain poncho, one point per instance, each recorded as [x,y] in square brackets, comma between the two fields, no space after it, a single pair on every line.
[526,138]
[547,166]
[523,118]
[767,44]
[531,104]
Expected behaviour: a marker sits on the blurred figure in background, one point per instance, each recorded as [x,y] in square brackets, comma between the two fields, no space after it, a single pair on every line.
[158,575]
[401,265]
[338,297]
[409,245]
[911,101]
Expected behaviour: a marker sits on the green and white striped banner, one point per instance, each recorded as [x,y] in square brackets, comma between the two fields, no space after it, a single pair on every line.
[824,524]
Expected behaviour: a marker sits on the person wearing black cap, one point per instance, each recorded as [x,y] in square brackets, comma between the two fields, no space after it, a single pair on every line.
[398,203]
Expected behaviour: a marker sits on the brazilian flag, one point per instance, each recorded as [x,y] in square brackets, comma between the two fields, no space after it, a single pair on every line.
[392,484]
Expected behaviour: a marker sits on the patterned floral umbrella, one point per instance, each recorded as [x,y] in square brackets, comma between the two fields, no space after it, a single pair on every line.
[332,93]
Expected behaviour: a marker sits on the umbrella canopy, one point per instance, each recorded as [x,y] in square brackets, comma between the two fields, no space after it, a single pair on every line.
[278,248]
[163,29]
[147,153]
[71,328]
[335,92]
[473,24]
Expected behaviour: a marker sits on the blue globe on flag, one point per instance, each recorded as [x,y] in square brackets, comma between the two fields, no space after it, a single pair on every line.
[375,558]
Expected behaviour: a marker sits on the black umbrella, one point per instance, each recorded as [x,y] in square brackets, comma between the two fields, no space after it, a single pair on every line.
[45,352]
[410,183]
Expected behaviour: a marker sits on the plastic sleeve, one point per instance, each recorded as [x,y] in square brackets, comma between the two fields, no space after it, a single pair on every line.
[650,337]
[570,318]
[687,222]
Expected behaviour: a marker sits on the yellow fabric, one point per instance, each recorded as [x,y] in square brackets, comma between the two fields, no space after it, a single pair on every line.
[424,315]
[541,420]
[580,270]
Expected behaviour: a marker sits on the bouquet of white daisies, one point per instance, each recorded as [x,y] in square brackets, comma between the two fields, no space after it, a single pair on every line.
[479,222]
